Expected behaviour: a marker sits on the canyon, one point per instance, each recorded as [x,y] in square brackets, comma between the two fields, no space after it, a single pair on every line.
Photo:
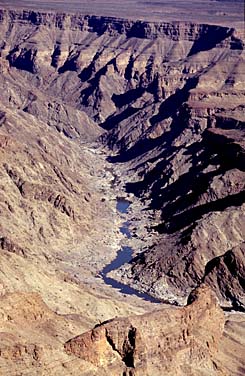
[98,109]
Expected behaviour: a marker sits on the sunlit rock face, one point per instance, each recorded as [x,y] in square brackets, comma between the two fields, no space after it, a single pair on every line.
[168,341]
[166,101]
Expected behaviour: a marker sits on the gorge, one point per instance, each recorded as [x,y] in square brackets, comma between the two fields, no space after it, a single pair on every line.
[97,112]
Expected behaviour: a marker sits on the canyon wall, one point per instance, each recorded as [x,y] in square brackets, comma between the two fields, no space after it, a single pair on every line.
[165,102]
[169,98]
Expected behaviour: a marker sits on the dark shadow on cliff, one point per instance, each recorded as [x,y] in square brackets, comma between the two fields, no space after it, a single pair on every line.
[186,218]
[210,38]
[167,109]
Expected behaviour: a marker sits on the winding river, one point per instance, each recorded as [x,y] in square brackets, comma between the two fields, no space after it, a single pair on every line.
[124,255]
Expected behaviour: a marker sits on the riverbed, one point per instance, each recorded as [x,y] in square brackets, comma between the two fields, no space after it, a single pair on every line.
[124,255]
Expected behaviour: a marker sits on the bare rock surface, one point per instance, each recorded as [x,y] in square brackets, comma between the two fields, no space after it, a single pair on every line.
[93,108]
[165,342]
[227,12]
[169,99]
[198,339]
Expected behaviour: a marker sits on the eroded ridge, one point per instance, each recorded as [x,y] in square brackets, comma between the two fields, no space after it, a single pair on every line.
[167,99]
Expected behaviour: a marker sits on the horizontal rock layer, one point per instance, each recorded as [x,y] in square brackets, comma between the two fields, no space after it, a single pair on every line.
[138,29]
[168,99]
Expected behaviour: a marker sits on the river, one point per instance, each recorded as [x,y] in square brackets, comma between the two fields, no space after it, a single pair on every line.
[124,255]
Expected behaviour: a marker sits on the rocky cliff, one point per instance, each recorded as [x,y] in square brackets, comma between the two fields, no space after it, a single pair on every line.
[59,225]
[132,29]
[165,342]
[166,102]
[169,97]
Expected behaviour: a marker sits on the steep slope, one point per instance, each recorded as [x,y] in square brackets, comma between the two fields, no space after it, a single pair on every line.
[182,341]
[158,90]
[168,100]
[197,187]
[228,12]
[56,228]
[194,340]
[59,225]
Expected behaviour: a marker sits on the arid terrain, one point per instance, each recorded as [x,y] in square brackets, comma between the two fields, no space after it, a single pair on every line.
[96,109]
[219,12]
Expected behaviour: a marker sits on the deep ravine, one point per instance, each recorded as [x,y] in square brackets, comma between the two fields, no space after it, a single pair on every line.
[124,255]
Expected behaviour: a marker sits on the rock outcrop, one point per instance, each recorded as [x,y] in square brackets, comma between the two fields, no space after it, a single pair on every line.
[57,229]
[167,99]
[195,340]
[207,12]
[170,100]
[226,274]
[165,342]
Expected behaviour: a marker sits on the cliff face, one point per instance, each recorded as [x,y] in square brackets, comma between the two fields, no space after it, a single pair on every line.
[168,100]
[165,342]
[201,226]
[132,29]
[194,340]
[173,341]
[218,13]
[59,226]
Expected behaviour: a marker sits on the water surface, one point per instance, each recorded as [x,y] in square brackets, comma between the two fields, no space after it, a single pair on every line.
[124,255]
